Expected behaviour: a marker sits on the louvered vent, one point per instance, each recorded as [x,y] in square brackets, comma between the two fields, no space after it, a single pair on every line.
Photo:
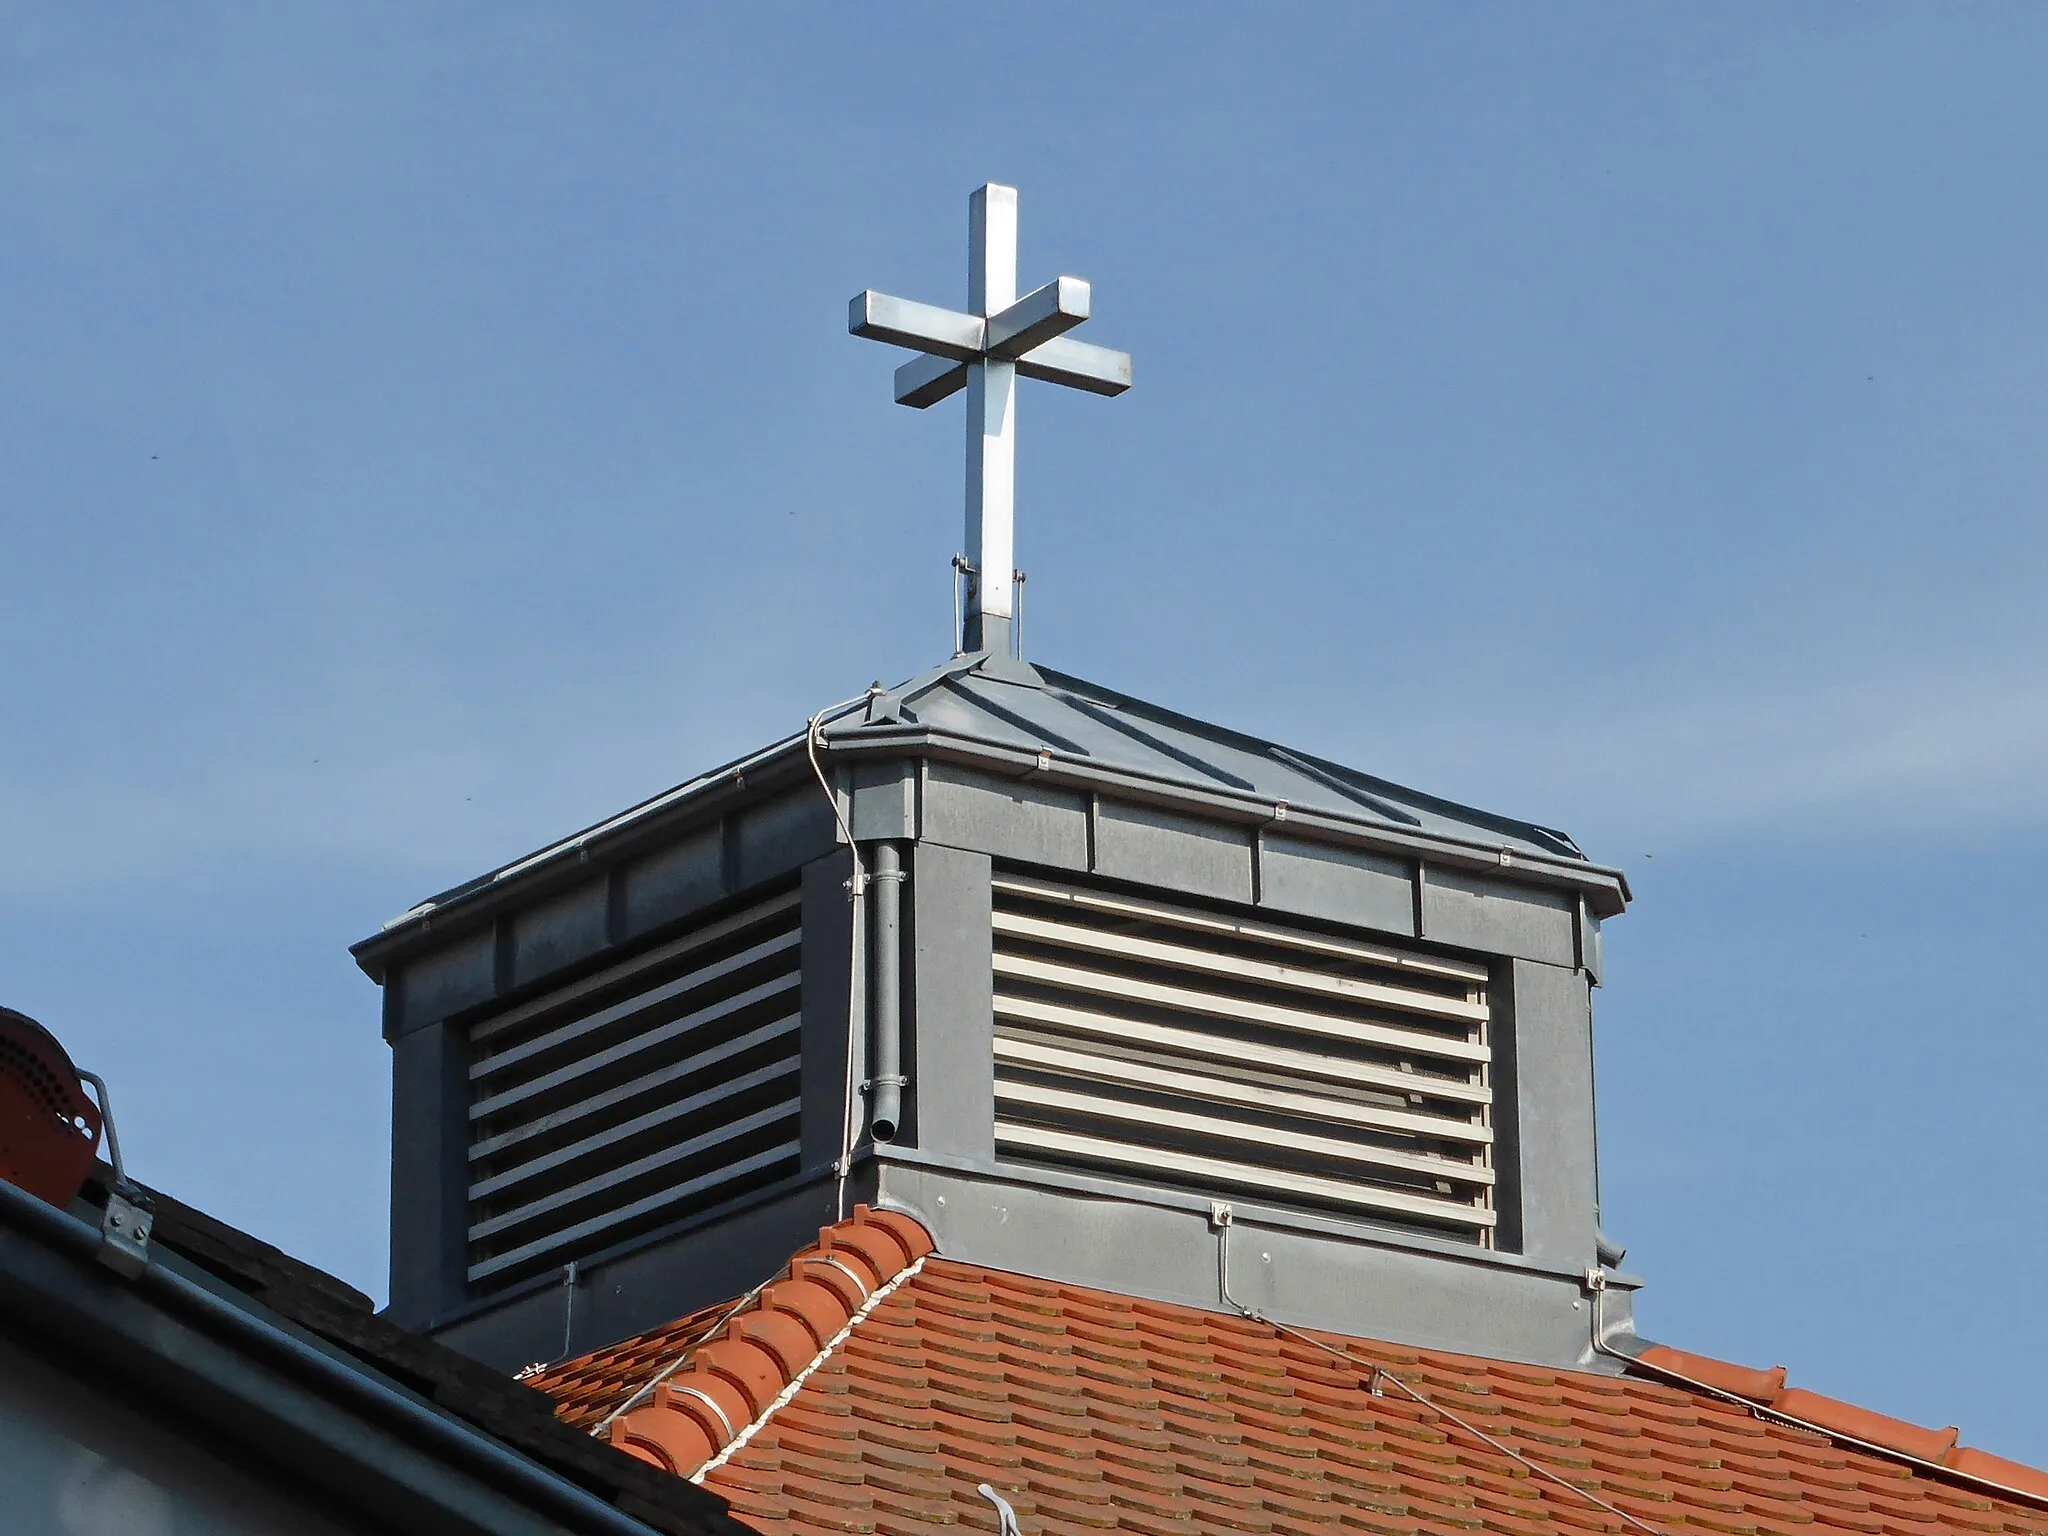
[605,1110]
[1224,1056]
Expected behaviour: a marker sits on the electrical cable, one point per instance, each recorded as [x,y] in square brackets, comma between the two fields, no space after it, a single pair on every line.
[855,886]
[1379,1373]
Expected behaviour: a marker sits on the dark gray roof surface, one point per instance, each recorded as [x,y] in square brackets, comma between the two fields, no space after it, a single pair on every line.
[980,705]
[990,701]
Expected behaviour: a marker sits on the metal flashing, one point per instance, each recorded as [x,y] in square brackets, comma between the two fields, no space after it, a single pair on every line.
[1004,714]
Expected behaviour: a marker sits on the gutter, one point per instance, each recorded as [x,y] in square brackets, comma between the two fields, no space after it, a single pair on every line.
[478,1477]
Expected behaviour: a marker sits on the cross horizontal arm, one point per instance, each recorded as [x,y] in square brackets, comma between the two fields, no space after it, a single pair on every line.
[1038,317]
[924,327]
[925,381]
[1078,365]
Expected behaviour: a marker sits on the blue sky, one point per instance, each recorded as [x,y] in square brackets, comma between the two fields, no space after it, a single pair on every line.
[426,429]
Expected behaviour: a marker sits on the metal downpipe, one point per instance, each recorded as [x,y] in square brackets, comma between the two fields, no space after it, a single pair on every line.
[885,977]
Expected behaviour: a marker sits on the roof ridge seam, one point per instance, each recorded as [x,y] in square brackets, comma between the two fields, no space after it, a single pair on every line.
[739,1441]
[646,1389]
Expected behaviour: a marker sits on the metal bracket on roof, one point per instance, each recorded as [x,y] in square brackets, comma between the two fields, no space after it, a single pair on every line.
[125,1224]
[124,1235]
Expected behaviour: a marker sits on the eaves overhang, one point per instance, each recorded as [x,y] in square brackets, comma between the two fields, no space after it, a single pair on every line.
[1022,721]
[772,768]
[216,1360]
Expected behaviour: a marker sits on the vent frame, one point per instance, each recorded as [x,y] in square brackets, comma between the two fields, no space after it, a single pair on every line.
[1227,1055]
[614,1105]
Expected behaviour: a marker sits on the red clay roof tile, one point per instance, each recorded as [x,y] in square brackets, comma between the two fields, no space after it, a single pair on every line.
[1096,1412]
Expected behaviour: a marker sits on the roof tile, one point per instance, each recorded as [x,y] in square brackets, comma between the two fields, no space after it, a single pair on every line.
[1095,1412]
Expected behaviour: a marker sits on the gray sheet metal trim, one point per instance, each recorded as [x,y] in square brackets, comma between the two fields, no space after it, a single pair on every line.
[751,778]
[1009,717]
[1310,768]
[1035,1176]
[748,775]
[1135,784]
[1112,720]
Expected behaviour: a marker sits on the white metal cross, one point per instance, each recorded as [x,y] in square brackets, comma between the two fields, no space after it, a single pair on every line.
[984,351]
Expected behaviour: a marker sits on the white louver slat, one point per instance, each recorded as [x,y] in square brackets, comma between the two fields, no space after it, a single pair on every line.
[634,1097]
[1218,1054]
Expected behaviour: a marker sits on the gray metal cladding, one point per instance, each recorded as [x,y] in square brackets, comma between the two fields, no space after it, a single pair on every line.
[1224,1055]
[1009,706]
[605,1109]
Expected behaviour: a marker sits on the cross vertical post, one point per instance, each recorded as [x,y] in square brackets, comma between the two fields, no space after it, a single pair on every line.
[984,352]
[991,426]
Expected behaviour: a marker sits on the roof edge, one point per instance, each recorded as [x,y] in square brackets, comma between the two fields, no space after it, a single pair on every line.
[1765,1392]
[885,734]
[196,1338]
[708,1402]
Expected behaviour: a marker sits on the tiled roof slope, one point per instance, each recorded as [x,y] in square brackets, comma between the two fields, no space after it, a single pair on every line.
[590,1386]
[873,1386]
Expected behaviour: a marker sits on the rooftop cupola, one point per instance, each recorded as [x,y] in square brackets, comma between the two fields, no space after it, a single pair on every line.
[1097,991]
